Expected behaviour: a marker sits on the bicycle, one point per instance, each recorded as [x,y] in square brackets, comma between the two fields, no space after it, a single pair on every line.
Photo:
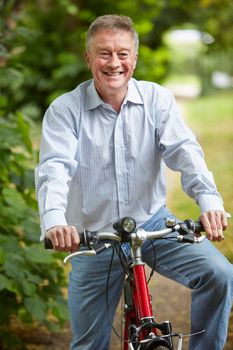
[141,331]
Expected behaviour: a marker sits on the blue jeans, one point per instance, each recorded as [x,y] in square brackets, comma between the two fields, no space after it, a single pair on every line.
[200,267]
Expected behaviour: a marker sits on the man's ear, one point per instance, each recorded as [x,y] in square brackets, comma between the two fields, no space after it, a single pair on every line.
[87,59]
[135,61]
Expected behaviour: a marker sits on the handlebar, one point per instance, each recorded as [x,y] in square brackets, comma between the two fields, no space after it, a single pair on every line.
[186,229]
[126,232]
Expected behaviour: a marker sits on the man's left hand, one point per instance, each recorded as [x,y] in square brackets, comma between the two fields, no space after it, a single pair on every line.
[214,222]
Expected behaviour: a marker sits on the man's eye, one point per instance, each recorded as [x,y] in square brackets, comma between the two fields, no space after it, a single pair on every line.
[104,54]
[123,54]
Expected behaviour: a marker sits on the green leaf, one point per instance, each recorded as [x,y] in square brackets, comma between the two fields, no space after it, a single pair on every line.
[14,199]
[2,256]
[59,308]
[12,78]
[8,284]
[9,135]
[3,101]
[37,255]
[13,287]
[23,127]
[4,282]
[29,288]
[33,278]
[8,243]
[31,227]
[36,307]
[13,267]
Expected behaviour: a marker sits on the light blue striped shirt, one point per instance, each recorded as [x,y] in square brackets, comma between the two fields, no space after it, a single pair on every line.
[97,165]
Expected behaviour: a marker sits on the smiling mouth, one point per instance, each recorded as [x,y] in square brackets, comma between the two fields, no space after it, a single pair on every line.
[113,74]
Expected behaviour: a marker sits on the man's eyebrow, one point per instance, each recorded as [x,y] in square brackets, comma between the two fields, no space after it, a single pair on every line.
[102,48]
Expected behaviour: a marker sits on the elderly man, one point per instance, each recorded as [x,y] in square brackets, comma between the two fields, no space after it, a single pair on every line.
[103,154]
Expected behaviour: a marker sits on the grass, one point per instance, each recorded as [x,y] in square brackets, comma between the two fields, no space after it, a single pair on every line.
[179,79]
[178,83]
[211,118]
[209,111]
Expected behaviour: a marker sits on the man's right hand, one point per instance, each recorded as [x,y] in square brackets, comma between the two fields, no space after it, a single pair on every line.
[64,238]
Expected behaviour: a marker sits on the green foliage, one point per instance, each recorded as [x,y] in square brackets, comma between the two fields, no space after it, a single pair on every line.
[47,41]
[214,21]
[155,62]
[31,279]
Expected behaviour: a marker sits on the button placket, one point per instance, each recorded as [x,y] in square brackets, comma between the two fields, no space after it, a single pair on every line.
[121,165]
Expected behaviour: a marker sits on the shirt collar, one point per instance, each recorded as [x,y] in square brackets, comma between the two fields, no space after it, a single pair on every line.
[93,99]
[132,93]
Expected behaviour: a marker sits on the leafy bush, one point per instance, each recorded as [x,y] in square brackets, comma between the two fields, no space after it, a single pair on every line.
[47,59]
[31,279]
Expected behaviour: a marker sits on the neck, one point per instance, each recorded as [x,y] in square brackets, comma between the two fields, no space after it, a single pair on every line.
[114,99]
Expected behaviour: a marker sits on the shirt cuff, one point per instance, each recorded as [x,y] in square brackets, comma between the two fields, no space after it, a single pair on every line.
[50,219]
[210,202]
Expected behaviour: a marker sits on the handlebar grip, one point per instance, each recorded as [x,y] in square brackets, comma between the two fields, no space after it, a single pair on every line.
[198,227]
[48,243]
[195,226]
[82,236]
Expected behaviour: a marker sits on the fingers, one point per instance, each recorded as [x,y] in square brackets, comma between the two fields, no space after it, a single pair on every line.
[64,238]
[214,222]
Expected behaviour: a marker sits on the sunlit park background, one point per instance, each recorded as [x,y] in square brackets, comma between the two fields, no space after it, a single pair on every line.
[185,45]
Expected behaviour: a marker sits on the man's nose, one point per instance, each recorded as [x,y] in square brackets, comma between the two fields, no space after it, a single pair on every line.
[114,60]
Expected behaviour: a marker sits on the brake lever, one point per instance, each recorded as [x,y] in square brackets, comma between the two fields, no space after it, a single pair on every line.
[90,252]
[188,236]
[190,239]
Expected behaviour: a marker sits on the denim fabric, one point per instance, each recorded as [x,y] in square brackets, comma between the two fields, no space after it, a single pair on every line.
[200,267]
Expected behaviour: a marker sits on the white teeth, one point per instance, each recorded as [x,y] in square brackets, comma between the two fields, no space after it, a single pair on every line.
[113,74]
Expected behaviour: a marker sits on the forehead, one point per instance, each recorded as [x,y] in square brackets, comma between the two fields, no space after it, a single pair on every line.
[112,39]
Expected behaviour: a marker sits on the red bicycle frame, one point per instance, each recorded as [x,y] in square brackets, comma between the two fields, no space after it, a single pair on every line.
[141,304]
[141,293]
[139,311]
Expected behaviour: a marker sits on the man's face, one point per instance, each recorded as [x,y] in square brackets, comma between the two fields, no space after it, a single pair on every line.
[112,59]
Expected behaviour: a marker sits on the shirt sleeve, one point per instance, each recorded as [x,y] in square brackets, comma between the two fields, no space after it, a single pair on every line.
[56,167]
[181,152]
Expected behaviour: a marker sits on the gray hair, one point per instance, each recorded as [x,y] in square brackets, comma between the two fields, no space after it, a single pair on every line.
[112,22]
